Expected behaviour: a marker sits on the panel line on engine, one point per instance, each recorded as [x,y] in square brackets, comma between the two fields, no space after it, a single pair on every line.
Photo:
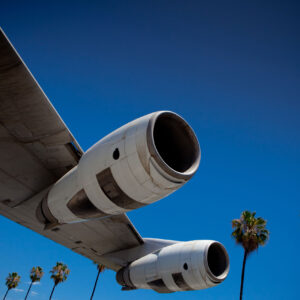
[180,282]
[159,286]
[81,206]
[111,189]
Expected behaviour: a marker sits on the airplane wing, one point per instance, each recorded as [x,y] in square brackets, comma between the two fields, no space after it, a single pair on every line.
[36,149]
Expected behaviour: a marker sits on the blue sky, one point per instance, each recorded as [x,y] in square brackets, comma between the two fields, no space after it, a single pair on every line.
[231,69]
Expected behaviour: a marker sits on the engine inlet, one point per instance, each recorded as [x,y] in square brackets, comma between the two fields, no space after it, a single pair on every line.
[217,262]
[174,145]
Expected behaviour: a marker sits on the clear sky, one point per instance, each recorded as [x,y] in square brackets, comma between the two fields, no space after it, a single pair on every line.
[231,69]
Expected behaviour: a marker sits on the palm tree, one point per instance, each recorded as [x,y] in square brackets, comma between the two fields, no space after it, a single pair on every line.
[250,232]
[60,274]
[36,275]
[12,281]
[100,269]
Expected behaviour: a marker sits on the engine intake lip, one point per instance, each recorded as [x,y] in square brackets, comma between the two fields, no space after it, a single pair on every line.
[216,262]
[173,145]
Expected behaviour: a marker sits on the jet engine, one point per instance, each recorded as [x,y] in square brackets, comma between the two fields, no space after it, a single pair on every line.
[183,266]
[136,165]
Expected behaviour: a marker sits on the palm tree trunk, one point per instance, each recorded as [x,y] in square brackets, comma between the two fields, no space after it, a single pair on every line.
[243,274]
[52,291]
[28,290]
[6,294]
[99,271]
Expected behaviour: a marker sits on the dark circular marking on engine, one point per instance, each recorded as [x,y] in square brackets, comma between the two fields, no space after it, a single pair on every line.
[185,266]
[116,154]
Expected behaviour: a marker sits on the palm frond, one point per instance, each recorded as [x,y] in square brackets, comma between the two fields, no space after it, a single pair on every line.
[249,231]
[59,273]
[12,280]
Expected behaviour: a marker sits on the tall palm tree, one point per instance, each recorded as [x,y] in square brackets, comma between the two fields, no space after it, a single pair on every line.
[100,269]
[36,275]
[60,274]
[12,281]
[250,232]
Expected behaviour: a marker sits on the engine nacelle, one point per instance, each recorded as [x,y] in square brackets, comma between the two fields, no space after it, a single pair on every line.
[183,266]
[136,165]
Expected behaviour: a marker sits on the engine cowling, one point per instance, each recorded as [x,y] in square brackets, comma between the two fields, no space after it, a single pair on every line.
[136,165]
[184,266]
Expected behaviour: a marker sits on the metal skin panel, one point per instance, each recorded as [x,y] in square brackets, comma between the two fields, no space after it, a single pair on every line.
[62,192]
[81,206]
[159,286]
[112,191]
[119,173]
[181,282]
[173,267]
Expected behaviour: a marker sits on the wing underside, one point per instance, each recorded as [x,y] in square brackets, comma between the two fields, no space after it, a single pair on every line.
[92,239]
[36,149]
